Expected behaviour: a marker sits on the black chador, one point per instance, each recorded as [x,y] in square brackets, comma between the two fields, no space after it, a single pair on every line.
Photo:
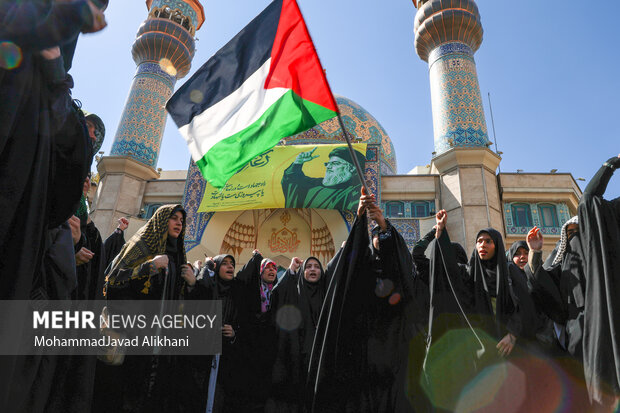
[151,383]
[228,369]
[359,358]
[296,306]
[481,295]
[254,385]
[599,229]
[536,325]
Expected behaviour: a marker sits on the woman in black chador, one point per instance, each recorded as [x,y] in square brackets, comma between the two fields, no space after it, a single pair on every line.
[578,289]
[483,293]
[152,266]
[227,370]
[259,278]
[540,338]
[359,358]
[600,232]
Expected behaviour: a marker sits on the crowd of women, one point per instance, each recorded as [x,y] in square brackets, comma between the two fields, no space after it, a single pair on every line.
[381,329]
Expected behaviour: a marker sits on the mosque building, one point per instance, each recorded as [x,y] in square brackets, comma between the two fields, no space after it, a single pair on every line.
[462,176]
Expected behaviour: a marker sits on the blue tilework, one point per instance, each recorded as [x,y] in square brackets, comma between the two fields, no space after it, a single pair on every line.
[458,114]
[450,48]
[561,209]
[409,228]
[196,222]
[142,123]
[360,125]
[180,5]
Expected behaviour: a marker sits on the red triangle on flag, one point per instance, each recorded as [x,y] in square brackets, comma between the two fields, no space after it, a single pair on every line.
[294,62]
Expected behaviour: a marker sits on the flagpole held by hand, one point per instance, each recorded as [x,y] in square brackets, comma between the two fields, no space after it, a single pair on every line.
[358,167]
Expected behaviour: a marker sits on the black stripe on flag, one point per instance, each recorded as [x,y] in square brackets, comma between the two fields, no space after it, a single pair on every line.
[228,69]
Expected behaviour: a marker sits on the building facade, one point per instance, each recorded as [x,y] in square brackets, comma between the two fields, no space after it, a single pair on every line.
[461,177]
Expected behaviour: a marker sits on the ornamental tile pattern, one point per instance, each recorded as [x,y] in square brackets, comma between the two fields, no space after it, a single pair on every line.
[409,228]
[458,114]
[196,222]
[142,123]
[563,215]
[185,9]
[360,125]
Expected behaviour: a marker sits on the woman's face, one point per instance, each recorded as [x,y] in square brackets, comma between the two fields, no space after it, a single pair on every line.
[227,269]
[485,246]
[175,225]
[520,258]
[312,271]
[571,230]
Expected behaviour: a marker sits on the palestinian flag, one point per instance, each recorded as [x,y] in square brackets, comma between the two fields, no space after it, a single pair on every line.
[266,84]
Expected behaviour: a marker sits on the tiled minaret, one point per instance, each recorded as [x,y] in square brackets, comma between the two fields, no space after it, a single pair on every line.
[447,34]
[163,51]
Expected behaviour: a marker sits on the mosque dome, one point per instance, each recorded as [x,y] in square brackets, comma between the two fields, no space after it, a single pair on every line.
[360,124]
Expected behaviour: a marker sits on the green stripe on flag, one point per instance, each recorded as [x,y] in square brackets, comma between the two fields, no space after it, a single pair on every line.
[289,115]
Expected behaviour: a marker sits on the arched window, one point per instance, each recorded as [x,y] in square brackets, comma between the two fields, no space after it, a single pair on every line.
[395,209]
[548,215]
[521,215]
[419,209]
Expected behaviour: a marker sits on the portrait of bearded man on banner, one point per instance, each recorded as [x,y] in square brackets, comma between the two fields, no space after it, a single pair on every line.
[338,189]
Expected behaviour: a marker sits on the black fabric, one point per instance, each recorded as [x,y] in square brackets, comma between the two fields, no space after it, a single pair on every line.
[28,98]
[418,253]
[599,230]
[359,357]
[295,330]
[112,246]
[490,278]
[456,289]
[91,274]
[254,387]
[512,251]
[233,371]
[153,383]
[559,290]
[450,297]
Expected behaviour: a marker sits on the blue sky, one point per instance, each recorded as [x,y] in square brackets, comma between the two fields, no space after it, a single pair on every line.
[551,68]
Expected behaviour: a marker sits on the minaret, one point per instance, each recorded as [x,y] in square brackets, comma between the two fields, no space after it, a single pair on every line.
[447,34]
[163,52]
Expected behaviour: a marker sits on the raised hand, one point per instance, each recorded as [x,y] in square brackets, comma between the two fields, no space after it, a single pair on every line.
[123,223]
[375,213]
[365,202]
[534,239]
[295,264]
[441,218]
[305,157]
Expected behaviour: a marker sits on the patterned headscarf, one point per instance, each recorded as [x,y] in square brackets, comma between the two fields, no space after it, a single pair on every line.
[149,241]
[564,240]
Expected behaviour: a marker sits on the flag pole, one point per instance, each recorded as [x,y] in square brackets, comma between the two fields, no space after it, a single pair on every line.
[358,167]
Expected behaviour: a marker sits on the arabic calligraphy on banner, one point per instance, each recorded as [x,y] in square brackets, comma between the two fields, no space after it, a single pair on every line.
[295,176]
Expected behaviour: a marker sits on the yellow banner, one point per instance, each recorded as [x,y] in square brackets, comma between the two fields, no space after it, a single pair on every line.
[294,176]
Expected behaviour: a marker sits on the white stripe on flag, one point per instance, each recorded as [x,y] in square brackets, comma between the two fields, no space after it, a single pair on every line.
[232,114]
